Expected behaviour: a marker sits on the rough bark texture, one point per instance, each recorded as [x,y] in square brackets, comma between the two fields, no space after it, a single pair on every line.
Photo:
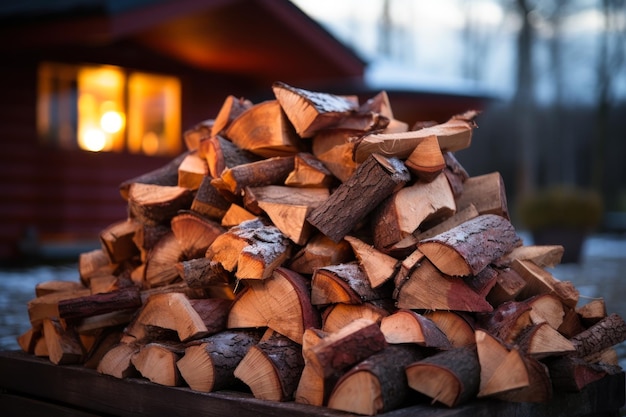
[91,305]
[471,246]
[604,334]
[374,180]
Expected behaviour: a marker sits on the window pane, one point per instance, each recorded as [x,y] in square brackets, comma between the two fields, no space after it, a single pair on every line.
[154,114]
[101,119]
[56,104]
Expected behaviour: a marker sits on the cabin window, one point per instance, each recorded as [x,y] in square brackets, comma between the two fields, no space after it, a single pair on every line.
[106,108]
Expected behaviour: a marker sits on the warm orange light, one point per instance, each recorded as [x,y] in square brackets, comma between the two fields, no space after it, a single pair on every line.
[100,108]
[154,114]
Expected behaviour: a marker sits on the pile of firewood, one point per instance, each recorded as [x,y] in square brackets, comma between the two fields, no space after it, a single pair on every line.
[313,248]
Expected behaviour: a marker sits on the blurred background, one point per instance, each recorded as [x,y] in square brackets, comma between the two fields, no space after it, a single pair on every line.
[98,91]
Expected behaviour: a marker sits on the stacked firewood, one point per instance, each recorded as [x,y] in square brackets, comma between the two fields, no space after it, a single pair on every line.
[312,248]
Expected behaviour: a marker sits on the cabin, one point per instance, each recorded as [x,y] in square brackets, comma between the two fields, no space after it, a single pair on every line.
[99,91]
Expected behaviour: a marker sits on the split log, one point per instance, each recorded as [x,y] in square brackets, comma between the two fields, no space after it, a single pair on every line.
[272,369]
[592,312]
[450,377]
[192,171]
[483,282]
[453,135]
[378,266]
[288,207]
[485,192]
[403,213]
[54,286]
[318,252]
[157,363]
[343,283]
[470,247]
[346,347]
[373,181]
[92,263]
[167,175]
[47,306]
[62,342]
[268,171]
[282,302]
[376,385]
[172,311]
[540,281]
[28,340]
[194,233]
[544,256]
[507,321]
[502,368]
[508,286]
[338,315]
[572,374]
[338,159]
[264,130]
[308,171]
[208,201]
[213,312]
[156,204]
[147,238]
[236,215]
[194,135]
[209,364]
[458,218]
[117,240]
[117,362]
[311,111]
[458,327]
[160,265]
[230,110]
[426,161]
[456,174]
[539,389]
[408,326]
[221,154]
[428,289]
[541,340]
[312,388]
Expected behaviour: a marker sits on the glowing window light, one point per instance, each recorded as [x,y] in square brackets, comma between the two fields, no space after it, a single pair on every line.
[112,122]
[93,140]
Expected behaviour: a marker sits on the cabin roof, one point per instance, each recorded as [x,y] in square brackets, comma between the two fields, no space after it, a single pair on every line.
[270,39]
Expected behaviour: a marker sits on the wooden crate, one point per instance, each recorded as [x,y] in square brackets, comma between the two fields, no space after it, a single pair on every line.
[31,386]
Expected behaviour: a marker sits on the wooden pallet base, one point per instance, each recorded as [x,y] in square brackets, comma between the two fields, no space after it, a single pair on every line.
[31,386]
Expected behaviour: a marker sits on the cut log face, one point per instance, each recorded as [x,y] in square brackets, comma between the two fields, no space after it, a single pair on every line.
[288,208]
[501,369]
[192,171]
[229,111]
[457,328]
[117,361]
[428,289]
[160,265]
[236,215]
[308,171]
[171,311]
[167,175]
[378,266]
[311,111]
[194,233]
[157,363]
[272,369]
[376,385]
[209,365]
[544,256]
[450,377]
[281,302]
[338,160]
[453,135]
[346,347]
[312,388]
[196,134]
[540,281]
[221,153]
[117,240]
[339,315]
[485,192]
[407,326]
[592,312]
[403,213]
[470,247]
[264,130]
[156,204]
[426,161]
[541,340]
[62,344]
[456,219]
[320,251]
[344,283]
